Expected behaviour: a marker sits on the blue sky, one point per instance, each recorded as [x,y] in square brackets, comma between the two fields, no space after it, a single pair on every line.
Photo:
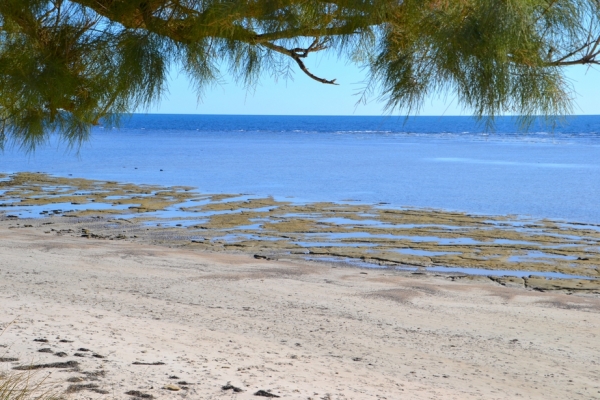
[303,96]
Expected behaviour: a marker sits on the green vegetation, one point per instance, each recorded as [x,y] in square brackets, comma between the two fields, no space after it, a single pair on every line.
[64,65]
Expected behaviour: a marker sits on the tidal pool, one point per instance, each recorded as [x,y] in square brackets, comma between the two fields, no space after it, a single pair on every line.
[369,234]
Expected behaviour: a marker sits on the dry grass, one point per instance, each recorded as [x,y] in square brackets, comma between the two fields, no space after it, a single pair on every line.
[24,386]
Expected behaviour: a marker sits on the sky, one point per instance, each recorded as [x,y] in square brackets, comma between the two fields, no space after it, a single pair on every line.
[304,96]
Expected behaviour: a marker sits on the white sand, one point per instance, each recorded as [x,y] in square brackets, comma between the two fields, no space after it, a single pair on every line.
[300,330]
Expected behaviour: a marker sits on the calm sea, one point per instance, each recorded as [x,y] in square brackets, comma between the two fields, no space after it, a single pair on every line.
[440,162]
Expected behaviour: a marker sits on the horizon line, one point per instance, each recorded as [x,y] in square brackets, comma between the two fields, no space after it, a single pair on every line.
[362,115]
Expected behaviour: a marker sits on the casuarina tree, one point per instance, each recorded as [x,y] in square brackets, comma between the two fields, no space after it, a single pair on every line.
[67,64]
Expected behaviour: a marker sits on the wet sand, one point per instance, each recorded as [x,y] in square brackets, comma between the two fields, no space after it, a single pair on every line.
[120,316]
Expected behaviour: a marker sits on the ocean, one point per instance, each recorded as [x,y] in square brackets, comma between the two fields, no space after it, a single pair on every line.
[449,163]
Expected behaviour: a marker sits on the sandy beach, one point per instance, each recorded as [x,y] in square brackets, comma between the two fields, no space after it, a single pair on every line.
[124,317]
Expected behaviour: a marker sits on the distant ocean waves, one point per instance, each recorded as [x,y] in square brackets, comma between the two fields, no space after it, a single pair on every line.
[506,129]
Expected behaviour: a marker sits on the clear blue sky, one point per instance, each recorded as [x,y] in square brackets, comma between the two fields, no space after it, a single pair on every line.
[303,96]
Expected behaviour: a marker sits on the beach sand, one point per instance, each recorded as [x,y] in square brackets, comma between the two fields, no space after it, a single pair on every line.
[148,320]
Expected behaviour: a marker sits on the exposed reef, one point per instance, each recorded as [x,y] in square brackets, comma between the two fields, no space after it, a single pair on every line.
[391,237]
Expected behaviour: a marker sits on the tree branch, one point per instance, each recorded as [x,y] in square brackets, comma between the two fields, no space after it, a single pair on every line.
[180,32]
[297,54]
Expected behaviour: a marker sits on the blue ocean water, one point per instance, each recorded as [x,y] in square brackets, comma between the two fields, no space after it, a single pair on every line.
[440,162]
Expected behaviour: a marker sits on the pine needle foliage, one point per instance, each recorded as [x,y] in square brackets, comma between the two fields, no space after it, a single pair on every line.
[67,64]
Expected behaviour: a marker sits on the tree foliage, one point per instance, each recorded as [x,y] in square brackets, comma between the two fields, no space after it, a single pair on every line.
[65,64]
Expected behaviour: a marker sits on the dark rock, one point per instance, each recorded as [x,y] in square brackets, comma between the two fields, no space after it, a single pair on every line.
[264,393]
[87,386]
[45,350]
[145,363]
[95,374]
[41,340]
[509,281]
[67,364]
[138,394]
[8,359]
[61,354]
[229,386]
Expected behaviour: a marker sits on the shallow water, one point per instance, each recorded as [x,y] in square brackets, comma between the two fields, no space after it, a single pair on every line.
[449,270]
[495,272]
[430,163]
[439,162]
[60,208]
[417,237]
[539,256]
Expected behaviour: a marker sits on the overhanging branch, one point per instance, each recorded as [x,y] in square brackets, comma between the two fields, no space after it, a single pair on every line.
[297,54]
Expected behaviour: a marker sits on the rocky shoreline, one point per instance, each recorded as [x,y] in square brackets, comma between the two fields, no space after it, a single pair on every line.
[368,234]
